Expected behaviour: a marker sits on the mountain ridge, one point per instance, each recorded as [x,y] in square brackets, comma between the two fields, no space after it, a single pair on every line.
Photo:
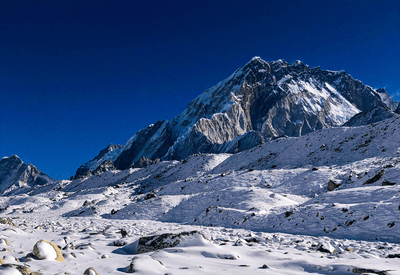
[15,174]
[270,98]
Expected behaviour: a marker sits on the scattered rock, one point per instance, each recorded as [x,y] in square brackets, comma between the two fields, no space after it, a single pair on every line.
[332,185]
[7,221]
[44,249]
[364,271]
[90,271]
[157,242]
[375,178]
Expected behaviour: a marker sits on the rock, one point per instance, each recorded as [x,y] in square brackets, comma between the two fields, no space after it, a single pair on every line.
[44,249]
[4,241]
[1,261]
[150,196]
[143,162]
[124,233]
[332,185]
[90,271]
[157,242]
[392,256]
[264,266]
[119,242]
[326,248]
[365,271]
[375,178]
[131,268]
[7,221]
[24,270]
[388,183]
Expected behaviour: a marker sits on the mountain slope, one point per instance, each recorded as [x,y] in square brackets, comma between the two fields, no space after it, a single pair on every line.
[110,153]
[15,174]
[271,99]
[374,115]
[280,186]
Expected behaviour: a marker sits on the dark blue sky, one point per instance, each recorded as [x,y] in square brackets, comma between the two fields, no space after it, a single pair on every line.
[76,76]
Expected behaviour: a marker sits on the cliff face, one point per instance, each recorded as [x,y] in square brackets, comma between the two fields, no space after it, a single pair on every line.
[259,101]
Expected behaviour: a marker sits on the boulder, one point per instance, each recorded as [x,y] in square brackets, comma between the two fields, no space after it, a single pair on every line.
[388,183]
[326,248]
[375,178]
[6,268]
[157,242]
[90,271]
[4,241]
[332,185]
[47,250]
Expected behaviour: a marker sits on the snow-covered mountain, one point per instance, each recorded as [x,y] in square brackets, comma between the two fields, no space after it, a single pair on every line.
[259,101]
[15,174]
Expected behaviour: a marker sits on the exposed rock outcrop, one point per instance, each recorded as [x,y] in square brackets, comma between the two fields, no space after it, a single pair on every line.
[105,157]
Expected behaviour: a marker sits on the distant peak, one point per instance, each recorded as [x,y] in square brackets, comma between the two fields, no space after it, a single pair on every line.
[13,159]
[256,60]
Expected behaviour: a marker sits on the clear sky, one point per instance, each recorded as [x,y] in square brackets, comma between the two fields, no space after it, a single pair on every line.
[76,76]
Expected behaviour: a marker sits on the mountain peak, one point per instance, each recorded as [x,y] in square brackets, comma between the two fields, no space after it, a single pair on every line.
[272,99]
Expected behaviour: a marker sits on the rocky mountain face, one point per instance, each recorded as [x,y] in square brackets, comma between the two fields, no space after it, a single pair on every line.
[15,174]
[374,115]
[102,162]
[262,100]
[397,111]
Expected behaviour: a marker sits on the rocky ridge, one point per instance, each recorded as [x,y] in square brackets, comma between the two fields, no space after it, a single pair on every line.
[374,115]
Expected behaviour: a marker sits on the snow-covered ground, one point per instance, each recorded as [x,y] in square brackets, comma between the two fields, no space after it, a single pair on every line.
[324,203]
